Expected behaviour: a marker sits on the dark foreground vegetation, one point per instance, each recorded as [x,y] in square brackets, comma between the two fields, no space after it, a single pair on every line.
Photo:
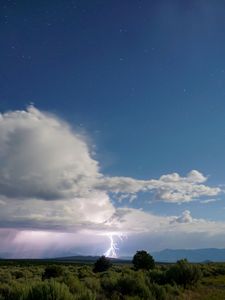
[143,279]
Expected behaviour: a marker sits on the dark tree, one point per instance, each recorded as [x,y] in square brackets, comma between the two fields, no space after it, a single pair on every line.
[143,260]
[102,264]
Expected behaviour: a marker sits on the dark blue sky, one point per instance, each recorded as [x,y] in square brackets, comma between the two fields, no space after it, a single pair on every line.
[145,79]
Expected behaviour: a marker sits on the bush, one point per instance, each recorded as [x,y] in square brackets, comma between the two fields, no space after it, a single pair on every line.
[14,291]
[91,283]
[18,274]
[74,284]
[143,260]
[157,276]
[109,284]
[183,273]
[5,290]
[132,285]
[102,264]
[158,291]
[5,277]
[52,272]
[84,271]
[48,290]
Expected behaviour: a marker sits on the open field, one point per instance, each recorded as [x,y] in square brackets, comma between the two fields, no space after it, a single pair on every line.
[45,279]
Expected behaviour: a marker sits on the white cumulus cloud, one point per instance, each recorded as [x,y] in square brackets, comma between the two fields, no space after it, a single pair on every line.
[50,182]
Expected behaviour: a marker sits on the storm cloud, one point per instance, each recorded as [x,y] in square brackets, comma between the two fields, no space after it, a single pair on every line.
[50,182]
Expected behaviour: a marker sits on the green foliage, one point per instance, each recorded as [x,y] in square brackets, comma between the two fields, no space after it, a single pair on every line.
[52,271]
[143,260]
[158,291]
[17,274]
[14,291]
[85,271]
[183,273]
[5,291]
[158,276]
[48,290]
[133,285]
[92,283]
[108,282]
[24,281]
[5,277]
[102,264]
[74,284]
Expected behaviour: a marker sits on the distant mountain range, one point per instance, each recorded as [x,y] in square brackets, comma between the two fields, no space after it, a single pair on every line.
[167,255]
[192,255]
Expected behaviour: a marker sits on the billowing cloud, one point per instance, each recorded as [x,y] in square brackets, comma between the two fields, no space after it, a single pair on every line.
[41,157]
[184,218]
[49,182]
[169,188]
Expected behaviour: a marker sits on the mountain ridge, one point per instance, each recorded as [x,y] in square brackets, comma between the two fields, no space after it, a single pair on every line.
[166,255]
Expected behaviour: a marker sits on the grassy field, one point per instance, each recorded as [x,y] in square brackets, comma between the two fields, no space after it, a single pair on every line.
[51,280]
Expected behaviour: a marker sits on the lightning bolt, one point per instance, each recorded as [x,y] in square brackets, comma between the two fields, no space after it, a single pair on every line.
[112,251]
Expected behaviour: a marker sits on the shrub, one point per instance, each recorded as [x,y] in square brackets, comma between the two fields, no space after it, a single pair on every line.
[109,283]
[158,291]
[52,271]
[172,291]
[48,290]
[84,271]
[102,264]
[5,290]
[85,295]
[74,284]
[183,273]
[132,285]
[18,274]
[157,276]
[91,283]
[14,291]
[5,277]
[143,260]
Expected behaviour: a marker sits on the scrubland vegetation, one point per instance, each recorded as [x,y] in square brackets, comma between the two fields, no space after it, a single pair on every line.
[24,280]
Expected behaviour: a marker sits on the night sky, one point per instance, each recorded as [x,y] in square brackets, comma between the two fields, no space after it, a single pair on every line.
[112,125]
